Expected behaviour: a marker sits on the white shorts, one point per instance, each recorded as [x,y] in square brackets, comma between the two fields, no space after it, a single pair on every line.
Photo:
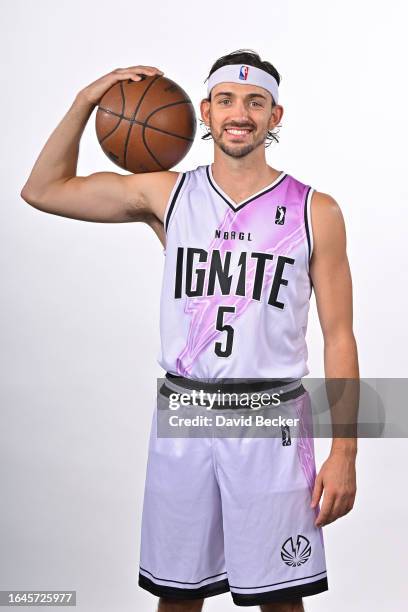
[233,514]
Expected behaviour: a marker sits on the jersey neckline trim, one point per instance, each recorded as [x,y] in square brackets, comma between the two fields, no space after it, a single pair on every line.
[233,205]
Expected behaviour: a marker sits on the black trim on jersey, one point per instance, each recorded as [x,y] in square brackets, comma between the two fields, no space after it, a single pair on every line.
[160,590]
[309,246]
[233,385]
[239,206]
[238,388]
[287,594]
[283,397]
[264,586]
[173,201]
[307,223]
[239,599]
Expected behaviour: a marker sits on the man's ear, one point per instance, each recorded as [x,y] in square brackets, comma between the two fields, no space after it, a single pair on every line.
[276,116]
[205,111]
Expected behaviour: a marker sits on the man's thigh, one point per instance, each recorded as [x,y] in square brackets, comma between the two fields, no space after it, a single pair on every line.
[169,605]
[287,606]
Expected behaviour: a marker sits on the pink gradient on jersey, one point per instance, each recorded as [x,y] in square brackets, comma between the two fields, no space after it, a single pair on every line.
[305,443]
[305,446]
[203,311]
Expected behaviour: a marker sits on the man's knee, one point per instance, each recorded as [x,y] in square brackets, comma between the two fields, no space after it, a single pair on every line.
[295,605]
[173,605]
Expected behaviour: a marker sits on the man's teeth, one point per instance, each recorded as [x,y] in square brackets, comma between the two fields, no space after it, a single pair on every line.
[238,131]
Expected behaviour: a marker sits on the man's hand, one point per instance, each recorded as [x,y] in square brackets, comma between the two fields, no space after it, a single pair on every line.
[95,91]
[337,477]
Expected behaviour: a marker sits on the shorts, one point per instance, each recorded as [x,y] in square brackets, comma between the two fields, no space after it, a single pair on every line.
[233,513]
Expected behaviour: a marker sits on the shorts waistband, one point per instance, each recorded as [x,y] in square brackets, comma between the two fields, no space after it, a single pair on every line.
[234,385]
[288,389]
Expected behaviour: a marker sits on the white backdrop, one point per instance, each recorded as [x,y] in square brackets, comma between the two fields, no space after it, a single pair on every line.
[80,301]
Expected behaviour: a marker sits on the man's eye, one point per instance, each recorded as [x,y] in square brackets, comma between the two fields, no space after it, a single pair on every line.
[225,101]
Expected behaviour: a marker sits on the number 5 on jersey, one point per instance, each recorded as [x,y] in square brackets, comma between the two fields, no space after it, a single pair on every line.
[221,326]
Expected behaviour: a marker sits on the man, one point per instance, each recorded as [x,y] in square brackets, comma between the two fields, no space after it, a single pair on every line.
[244,245]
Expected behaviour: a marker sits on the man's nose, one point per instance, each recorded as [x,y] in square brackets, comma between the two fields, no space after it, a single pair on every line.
[240,111]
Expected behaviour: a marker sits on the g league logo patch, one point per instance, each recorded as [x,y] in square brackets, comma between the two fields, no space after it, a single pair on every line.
[286,439]
[243,73]
[280,215]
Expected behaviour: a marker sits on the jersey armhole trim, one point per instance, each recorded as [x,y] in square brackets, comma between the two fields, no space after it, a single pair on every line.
[308,221]
[173,199]
[309,231]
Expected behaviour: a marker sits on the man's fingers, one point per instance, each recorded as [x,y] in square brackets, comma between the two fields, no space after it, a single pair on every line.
[317,492]
[148,70]
[334,506]
[137,75]
[342,506]
[95,91]
[324,516]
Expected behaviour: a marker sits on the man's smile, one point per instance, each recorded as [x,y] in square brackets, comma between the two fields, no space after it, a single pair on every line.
[237,133]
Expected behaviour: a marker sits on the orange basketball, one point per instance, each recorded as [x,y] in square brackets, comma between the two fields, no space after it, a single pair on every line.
[147,125]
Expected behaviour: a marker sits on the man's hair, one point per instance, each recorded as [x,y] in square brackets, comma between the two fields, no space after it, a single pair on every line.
[250,58]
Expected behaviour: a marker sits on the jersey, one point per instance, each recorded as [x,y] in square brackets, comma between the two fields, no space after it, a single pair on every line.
[236,285]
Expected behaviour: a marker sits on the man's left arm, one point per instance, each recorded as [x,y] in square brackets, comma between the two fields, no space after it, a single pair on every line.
[331,278]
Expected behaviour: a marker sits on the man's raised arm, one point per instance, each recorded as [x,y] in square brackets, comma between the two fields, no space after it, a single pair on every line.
[105,197]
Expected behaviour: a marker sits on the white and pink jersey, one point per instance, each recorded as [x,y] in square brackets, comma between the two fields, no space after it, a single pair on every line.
[236,285]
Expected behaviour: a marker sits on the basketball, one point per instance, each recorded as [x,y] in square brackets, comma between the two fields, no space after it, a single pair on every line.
[147,125]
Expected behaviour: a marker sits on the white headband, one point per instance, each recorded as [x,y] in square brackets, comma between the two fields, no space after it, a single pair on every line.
[238,73]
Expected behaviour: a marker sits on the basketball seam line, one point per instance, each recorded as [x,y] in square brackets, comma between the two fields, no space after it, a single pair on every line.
[121,115]
[148,148]
[152,127]
[144,128]
[134,116]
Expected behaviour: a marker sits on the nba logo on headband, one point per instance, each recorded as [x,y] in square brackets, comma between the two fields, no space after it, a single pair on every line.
[236,73]
[243,73]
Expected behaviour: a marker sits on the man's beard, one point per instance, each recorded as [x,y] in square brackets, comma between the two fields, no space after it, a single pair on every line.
[238,150]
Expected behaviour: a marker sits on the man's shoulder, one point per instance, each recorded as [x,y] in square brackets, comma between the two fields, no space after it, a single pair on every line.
[327,223]
[325,204]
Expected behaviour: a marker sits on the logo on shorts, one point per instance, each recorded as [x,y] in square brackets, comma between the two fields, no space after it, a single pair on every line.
[286,439]
[296,555]
[243,73]
[280,215]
